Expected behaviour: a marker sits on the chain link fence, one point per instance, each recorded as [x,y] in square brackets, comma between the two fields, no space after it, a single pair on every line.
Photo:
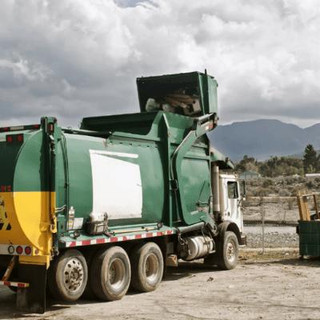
[270,222]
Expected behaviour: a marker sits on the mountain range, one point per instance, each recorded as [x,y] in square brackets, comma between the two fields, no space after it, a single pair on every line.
[262,139]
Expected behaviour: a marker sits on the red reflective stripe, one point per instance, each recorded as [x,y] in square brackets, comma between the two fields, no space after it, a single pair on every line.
[14,284]
[119,239]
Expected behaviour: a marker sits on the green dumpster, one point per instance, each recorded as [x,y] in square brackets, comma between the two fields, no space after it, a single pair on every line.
[309,238]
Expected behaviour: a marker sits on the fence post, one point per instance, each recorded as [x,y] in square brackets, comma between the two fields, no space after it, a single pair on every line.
[262,213]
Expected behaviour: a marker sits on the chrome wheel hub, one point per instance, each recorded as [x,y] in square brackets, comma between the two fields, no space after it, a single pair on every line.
[231,252]
[73,275]
[152,267]
[116,274]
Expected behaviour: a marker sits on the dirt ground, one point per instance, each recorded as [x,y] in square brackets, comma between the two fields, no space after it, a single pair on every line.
[273,285]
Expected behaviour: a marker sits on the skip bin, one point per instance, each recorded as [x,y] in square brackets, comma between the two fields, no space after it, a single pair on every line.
[309,238]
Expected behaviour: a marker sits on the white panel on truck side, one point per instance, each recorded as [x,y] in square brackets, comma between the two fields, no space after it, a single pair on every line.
[116,185]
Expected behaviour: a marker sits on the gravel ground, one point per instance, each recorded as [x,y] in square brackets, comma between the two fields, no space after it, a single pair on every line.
[282,211]
[265,286]
[274,237]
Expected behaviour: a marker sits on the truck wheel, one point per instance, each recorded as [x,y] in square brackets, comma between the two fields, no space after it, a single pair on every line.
[68,275]
[110,274]
[147,267]
[227,255]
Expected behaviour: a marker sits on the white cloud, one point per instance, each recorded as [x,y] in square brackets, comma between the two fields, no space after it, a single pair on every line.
[72,58]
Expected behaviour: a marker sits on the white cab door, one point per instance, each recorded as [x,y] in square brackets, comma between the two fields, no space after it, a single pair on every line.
[232,209]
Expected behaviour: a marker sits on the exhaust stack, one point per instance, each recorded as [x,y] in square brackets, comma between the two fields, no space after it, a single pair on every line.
[215,190]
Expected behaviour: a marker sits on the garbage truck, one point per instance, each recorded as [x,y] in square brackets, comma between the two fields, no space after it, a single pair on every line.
[106,207]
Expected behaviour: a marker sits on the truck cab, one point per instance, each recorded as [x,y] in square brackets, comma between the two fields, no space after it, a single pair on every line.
[230,199]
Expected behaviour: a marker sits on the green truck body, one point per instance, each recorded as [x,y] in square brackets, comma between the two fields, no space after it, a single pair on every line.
[123,195]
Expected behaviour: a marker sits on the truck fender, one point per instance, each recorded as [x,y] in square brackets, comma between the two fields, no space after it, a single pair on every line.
[229,226]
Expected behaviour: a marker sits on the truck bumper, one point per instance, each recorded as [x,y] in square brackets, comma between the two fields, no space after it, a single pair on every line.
[243,240]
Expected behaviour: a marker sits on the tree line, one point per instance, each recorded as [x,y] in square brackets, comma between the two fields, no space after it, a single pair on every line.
[282,166]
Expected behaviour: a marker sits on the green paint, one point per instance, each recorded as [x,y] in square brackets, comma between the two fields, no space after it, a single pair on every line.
[196,83]
[173,154]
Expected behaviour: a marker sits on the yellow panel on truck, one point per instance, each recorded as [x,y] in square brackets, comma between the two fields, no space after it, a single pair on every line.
[27,212]
[25,226]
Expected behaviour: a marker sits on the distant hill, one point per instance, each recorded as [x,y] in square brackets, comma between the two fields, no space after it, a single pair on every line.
[262,139]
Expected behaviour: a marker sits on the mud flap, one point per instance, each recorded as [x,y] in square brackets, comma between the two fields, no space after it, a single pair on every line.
[33,298]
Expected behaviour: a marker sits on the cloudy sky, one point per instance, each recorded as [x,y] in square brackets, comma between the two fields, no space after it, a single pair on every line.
[73,58]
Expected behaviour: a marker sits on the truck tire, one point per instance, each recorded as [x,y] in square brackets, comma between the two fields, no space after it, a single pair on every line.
[147,267]
[228,251]
[68,276]
[110,274]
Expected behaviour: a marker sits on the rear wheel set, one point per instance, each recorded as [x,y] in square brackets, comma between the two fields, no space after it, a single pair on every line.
[111,272]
